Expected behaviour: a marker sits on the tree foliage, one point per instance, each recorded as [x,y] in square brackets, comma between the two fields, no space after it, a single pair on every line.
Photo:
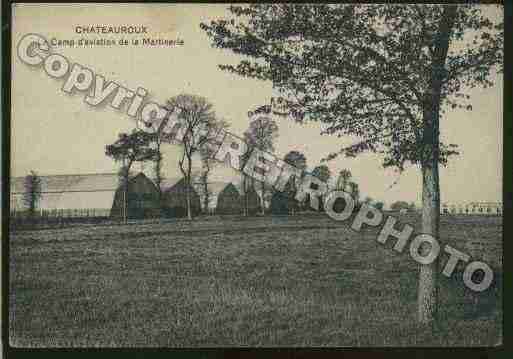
[363,70]
[132,147]
[198,125]
[322,172]
[208,162]
[261,134]
[344,177]
[296,159]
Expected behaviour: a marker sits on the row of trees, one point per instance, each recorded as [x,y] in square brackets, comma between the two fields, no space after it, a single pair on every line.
[199,126]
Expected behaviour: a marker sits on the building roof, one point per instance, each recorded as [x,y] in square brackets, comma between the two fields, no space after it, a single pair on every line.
[93,182]
[477,204]
[168,183]
[94,190]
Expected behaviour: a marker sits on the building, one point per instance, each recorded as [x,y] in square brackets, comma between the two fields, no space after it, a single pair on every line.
[229,201]
[69,194]
[228,198]
[174,198]
[472,208]
[142,199]
[87,195]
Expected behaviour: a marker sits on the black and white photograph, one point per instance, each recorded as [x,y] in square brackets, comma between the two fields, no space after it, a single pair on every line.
[263,175]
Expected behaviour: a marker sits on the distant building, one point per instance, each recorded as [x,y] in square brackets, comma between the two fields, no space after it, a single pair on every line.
[229,201]
[252,198]
[96,194]
[174,198]
[217,188]
[142,199]
[475,208]
[72,193]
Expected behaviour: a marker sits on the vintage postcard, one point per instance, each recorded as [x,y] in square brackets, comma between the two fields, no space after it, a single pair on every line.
[255,175]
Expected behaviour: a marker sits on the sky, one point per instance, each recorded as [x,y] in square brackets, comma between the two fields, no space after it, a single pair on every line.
[57,133]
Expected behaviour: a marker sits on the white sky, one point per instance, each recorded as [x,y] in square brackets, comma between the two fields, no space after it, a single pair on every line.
[56,133]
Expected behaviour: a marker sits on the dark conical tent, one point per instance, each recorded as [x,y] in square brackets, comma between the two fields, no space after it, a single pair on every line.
[142,198]
[229,201]
[175,200]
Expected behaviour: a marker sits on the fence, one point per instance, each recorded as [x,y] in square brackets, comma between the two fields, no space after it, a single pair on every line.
[55,218]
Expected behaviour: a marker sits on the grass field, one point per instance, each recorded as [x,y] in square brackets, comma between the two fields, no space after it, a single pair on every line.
[262,281]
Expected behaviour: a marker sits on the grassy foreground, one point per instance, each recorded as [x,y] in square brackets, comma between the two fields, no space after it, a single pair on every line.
[263,281]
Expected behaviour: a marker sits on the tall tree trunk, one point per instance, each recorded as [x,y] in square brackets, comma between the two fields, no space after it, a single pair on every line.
[188,199]
[206,197]
[125,199]
[32,202]
[158,177]
[188,187]
[428,286]
[245,195]
[263,198]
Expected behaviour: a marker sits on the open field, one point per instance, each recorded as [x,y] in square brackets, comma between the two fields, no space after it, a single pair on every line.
[261,281]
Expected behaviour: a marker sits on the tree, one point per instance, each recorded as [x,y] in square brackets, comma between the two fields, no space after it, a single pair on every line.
[382,73]
[207,163]
[32,192]
[123,179]
[344,177]
[354,190]
[261,134]
[298,160]
[157,139]
[379,205]
[322,172]
[368,200]
[198,125]
[130,148]
[246,182]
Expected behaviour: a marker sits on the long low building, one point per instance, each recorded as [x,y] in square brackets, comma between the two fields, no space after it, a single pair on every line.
[95,195]
[68,192]
[474,208]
